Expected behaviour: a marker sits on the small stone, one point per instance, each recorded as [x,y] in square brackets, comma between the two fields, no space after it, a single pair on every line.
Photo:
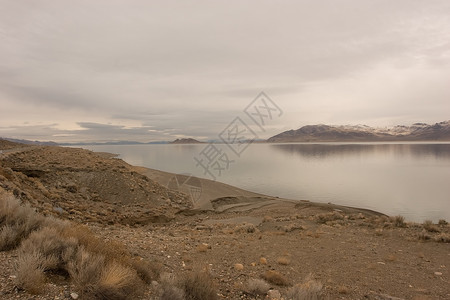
[74,295]
[239,267]
[13,276]
[274,294]
[263,261]
[438,273]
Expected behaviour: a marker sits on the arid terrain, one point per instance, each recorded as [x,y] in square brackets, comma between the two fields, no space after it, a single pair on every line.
[250,246]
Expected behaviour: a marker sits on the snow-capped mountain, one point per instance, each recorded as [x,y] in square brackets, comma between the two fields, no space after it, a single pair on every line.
[363,133]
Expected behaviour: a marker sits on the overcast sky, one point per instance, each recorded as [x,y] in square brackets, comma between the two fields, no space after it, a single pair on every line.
[157,70]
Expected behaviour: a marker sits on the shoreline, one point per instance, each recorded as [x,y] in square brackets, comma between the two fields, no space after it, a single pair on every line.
[220,197]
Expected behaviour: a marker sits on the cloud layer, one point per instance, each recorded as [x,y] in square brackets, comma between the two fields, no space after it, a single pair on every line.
[147,70]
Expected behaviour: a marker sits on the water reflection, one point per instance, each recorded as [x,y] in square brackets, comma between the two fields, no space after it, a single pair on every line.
[319,151]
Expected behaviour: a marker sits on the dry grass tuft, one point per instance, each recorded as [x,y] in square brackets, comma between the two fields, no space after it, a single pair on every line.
[148,271]
[430,227]
[171,292]
[283,260]
[257,286]
[198,286]
[16,222]
[99,269]
[30,273]
[275,277]
[424,236]
[116,282]
[442,238]
[246,228]
[442,222]
[309,290]
[263,261]
[399,221]
[328,217]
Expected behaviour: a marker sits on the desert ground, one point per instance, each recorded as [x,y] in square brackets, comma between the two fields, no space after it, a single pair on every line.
[250,246]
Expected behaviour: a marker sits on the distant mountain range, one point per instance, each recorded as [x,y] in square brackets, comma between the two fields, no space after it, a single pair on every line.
[363,133]
[27,142]
[312,133]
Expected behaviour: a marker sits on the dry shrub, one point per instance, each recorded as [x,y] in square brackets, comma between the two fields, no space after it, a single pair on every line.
[430,227]
[442,238]
[49,243]
[30,273]
[424,236]
[327,217]
[246,228]
[309,290]
[399,221]
[292,227]
[86,269]
[257,286]
[442,222]
[275,277]
[116,282]
[16,222]
[148,271]
[283,260]
[111,250]
[198,286]
[171,292]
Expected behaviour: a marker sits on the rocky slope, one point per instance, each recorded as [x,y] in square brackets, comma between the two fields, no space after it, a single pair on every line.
[85,186]
[362,133]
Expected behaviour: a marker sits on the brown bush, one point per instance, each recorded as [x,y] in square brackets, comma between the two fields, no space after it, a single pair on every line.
[257,286]
[283,260]
[430,227]
[146,270]
[275,277]
[308,290]
[16,222]
[424,236]
[399,221]
[116,282]
[30,273]
[442,238]
[199,286]
[327,217]
[442,222]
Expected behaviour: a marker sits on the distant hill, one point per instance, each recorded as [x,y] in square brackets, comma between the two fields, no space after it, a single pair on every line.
[186,141]
[5,144]
[363,133]
[28,142]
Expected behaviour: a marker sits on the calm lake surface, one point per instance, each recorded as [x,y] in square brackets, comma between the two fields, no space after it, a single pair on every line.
[411,179]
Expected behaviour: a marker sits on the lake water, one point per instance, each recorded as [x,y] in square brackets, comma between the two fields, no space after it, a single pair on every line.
[411,179]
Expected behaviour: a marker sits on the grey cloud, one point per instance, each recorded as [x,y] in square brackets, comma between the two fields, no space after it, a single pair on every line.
[192,66]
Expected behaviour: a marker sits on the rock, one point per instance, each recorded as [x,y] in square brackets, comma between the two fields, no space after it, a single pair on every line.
[238,267]
[273,294]
[74,295]
[438,273]
[263,261]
